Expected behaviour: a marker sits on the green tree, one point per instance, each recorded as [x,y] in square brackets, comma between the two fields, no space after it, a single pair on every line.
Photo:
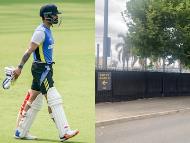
[160,29]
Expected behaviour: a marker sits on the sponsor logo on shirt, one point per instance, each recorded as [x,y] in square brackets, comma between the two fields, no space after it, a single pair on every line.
[51,46]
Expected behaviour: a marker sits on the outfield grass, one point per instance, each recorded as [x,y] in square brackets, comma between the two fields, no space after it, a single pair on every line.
[73,71]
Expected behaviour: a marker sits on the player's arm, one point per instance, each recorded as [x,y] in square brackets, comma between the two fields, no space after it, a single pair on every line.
[37,38]
[32,47]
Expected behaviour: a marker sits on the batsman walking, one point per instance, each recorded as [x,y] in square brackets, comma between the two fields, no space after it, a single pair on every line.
[41,46]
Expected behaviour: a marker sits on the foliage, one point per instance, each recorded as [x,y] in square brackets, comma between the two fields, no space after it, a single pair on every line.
[124,49]
[160,29]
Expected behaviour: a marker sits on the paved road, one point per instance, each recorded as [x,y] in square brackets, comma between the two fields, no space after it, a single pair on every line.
[163,129]
[107,111]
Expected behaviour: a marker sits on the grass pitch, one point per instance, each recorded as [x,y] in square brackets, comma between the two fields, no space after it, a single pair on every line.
[73,71]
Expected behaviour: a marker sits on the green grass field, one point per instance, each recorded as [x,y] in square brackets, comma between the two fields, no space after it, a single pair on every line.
[73,71]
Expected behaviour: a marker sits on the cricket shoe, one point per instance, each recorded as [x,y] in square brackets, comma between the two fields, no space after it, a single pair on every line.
[27,137]
[69,134]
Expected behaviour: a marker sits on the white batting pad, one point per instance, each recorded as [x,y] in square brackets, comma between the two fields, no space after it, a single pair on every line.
[55,103]
[27,121]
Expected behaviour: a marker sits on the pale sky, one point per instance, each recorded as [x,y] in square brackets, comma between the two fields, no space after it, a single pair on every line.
[116,22]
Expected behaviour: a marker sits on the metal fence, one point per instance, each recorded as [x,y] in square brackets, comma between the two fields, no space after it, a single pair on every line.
[131,85]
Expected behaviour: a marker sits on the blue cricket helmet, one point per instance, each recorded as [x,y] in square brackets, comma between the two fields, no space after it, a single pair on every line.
[48,11]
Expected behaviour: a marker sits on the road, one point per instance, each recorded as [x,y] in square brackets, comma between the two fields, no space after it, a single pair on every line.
[164,129]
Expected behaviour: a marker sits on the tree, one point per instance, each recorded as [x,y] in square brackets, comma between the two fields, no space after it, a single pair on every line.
[124,50]
[160,29]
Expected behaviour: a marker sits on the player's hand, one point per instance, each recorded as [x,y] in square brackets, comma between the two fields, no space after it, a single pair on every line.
[17,72]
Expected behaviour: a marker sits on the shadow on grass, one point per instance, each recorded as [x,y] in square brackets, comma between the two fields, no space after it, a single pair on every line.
[56,141]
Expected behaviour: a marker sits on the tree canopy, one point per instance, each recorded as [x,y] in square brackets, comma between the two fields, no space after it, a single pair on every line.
[160,29]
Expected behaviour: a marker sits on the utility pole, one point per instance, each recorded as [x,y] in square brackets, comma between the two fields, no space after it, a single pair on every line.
[105,41]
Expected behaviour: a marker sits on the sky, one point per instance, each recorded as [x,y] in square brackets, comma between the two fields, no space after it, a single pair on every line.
[115,22]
